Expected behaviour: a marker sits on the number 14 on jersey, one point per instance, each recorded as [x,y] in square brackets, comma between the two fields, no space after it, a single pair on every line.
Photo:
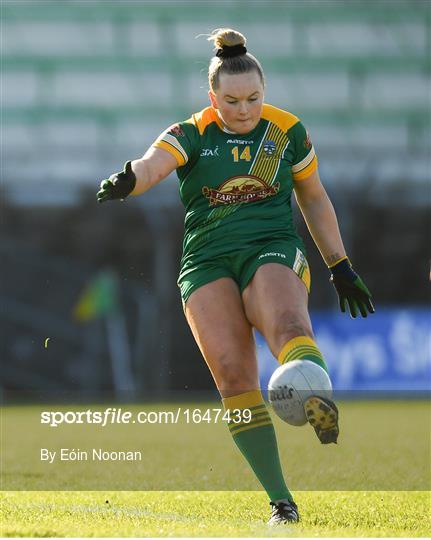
[245,154]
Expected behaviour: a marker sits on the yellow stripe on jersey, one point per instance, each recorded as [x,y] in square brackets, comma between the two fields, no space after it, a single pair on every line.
[160,143]
[172,140]
[266,166]
[206,117]
[307,170]
[283,119]
[305,162]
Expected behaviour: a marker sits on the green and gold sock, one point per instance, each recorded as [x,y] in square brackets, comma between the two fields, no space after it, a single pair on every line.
[302,348]
[257,442]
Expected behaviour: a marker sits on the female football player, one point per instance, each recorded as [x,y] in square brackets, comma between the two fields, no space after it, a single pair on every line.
[243,263]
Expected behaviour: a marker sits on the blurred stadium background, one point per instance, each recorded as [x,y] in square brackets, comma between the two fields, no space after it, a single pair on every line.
[87,85]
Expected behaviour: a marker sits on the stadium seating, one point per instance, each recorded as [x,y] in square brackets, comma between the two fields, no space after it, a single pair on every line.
[88,85]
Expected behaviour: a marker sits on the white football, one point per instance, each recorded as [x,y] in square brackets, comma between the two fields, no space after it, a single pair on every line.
[292,384]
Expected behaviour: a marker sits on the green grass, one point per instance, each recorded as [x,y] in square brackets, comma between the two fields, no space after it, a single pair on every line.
[194,482]
[141,514]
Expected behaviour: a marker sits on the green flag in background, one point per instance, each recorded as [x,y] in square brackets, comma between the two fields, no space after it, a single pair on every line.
[99,297]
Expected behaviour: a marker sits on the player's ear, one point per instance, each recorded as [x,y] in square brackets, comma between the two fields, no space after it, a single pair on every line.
[213,99]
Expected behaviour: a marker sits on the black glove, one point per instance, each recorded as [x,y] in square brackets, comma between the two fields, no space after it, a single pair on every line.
[118,185]
[351,289]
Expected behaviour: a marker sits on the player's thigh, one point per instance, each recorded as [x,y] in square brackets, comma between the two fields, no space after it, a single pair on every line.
[276,303]
[216,316]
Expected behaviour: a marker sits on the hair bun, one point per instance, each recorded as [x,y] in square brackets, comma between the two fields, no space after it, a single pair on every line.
[231,57]
[226,37]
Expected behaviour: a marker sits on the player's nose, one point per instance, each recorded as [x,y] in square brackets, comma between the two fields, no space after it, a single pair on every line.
[243,109]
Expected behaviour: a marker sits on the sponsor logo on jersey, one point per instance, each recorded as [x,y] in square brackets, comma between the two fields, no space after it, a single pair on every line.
[208,152]
[176,130]
[307,143]
[272,254]
[240,189]
[269,147]
[238,141]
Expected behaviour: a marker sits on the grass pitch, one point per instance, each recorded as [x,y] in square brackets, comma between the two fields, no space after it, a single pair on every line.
[374,483]
[236,514]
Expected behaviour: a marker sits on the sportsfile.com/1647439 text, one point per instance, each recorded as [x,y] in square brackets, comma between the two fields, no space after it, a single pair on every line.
[112,415]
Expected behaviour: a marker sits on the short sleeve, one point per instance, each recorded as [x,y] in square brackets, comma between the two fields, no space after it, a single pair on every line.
[179,140]
[304,159]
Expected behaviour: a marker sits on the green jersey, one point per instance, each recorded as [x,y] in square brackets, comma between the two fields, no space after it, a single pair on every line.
[236,189]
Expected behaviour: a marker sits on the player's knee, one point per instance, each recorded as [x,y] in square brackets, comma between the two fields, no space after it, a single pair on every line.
[287,326]
[232,375]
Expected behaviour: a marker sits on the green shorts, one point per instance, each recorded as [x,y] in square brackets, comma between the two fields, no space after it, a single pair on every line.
[241,266]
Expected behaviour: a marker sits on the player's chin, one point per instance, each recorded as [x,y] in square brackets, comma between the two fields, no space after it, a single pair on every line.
[244,126]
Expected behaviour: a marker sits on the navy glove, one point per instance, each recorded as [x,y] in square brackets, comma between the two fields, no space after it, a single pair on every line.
[351,289]
[118,185]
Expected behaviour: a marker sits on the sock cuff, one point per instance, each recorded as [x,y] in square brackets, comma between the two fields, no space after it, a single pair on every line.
[244,401]
[251,403]
[298,347]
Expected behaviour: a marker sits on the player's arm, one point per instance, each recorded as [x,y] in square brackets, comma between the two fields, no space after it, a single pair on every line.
[138,175]
[152,168]
[319,214]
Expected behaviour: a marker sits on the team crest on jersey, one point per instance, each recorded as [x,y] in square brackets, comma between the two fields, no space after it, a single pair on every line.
[307,143]
[176,130]
[240,189]
[269,147]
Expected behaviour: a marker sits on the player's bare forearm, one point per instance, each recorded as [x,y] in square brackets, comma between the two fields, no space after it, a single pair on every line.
[151,169]
[140,168]
[323,226]
[319,214]
[138,176]
[322,223]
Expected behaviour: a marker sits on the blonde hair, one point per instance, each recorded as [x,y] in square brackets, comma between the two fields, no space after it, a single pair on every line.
[243,63]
